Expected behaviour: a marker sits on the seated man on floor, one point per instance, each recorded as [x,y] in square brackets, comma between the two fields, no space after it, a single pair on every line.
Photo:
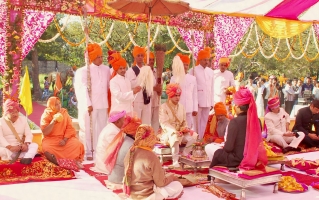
[305,120]
[172,119]
[116,151]
[116,121]
[243,145]
[277,123]
[15,135]
[144,176]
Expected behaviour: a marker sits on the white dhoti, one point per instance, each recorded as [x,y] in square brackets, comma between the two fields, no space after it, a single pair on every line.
[171,191]
[6,154]
[174,143]
[155,119]
[202,117]
[284,141]
[143,112]
[99,121]
[189,120]
[211,148]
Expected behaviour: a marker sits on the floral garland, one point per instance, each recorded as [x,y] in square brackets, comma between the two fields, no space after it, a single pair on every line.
[152,42]
[58,34]
[171,36]
[246,42]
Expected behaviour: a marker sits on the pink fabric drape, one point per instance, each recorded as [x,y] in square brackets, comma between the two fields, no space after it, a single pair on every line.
[198,40]
[3,32]
[252,159]
[228,31]
[291,9]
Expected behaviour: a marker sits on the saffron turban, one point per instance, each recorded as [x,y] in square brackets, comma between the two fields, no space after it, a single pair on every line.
[10,106]
[173,89]
[51,104]
[273,103]
[151,57]
[94,51]
[138,50]
[117,61]
[74,67]
[184,58]
[203,54]
[224,60]
[114,116]
[220,109]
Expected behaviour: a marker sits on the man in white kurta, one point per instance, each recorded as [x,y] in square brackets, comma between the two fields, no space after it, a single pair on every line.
[96,104]
[222,80]
[205,90]
[239,82]
[122,95]
[188,85]
[107,135]
[277,122]
[11,144]
[173,122]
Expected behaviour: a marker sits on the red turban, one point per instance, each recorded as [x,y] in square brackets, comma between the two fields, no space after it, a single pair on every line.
[220,109]
[203,54]
[184,58]
[273,103]
[254,152]
[117,61]
[138,50]
[173,89]
[94,51]
[10,106]
[225,60]
[151,57]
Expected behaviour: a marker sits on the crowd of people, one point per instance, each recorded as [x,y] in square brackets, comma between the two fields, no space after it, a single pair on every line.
[121,118]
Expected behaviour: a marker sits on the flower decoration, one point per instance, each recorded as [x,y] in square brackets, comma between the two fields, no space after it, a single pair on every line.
[229,95]
[193,20]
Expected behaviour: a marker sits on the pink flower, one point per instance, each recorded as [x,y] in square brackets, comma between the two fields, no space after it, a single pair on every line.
[8,44]
[11,80]
[14,68]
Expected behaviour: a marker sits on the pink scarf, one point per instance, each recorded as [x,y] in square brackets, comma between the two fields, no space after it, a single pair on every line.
[251,160]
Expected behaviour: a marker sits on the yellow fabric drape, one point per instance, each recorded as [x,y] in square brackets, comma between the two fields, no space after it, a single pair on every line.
[281,28]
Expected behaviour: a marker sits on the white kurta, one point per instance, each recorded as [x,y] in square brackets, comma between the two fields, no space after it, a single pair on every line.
[156,102]
[106,137]
[121,94]
[7,137]
[276,127]
[222,81]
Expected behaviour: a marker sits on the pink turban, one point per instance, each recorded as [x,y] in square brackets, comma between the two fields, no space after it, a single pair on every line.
[114,116]
[273,103]
[172,90]
[252,159]
[10,106]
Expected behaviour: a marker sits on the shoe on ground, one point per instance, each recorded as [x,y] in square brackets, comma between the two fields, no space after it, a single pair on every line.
[287,149]
[26,161]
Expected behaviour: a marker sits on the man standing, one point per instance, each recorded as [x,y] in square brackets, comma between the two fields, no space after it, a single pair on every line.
[239,82]
[95,102]
[205,89]
[277,122]
[270,90]
[188,85]
[223,79]
[289,96]
[307,118]
[307,86]
[122,96]
[174,125]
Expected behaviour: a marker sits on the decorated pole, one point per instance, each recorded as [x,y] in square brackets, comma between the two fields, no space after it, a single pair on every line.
[160,50]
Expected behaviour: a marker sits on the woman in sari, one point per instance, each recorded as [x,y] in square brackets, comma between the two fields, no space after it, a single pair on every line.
[59,142]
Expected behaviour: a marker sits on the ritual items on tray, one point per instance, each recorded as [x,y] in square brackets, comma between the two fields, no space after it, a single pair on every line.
[199,150]
[219,191]
[289,184]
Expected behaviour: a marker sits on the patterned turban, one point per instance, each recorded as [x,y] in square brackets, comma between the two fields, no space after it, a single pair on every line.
[94,51]
[220,109]
[117,61]
[114,116]
[184,58]
[273,103]
[203,54]
[151,57]
[138,50]
[225,60]
[10,106]
[173,89]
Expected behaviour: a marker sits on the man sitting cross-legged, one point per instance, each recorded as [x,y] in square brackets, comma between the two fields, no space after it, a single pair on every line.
[277,123]
[173,122]
[15,135]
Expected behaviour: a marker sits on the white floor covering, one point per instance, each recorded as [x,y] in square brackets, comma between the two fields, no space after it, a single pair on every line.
[87,188]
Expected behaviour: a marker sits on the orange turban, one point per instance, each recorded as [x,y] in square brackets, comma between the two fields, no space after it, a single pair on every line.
[151,57]
[138,50]
[173,89]
[203,54]
[184,58]
[224,60]
[74,67]
[220,109]
[94,51]
[116,61]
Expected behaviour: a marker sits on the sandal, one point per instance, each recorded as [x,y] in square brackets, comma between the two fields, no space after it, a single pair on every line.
[51,158]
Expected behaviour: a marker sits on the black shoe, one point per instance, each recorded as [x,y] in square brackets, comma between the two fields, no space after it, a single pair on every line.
[287,149]
[26,161]
[297,149]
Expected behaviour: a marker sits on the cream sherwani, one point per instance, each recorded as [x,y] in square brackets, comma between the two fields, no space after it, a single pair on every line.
[276,127]
[188,97]
[171,124]
[205,93]
[105,138]
[222,81]
[121,94]
[7,137]
[100,78]
[155,103]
